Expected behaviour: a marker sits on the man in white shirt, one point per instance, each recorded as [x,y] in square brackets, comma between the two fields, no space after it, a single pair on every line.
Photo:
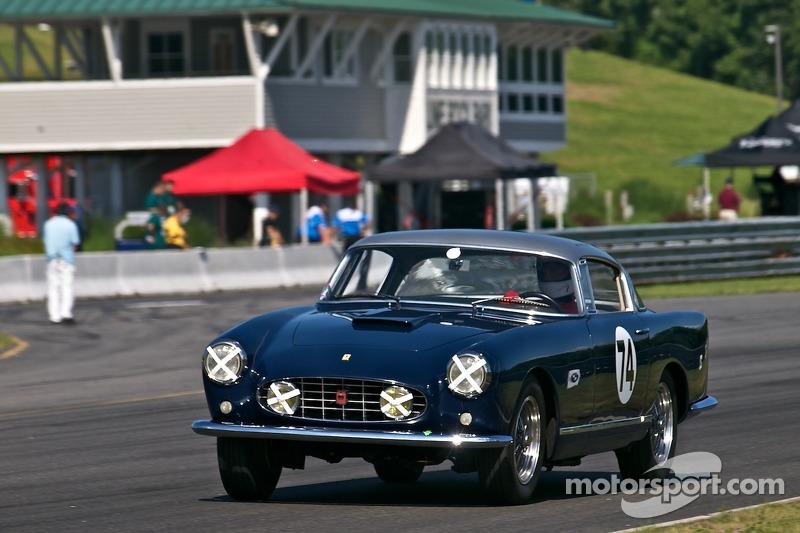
[61,238]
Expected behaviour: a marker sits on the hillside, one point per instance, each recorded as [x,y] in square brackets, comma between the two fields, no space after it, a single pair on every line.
[628,122]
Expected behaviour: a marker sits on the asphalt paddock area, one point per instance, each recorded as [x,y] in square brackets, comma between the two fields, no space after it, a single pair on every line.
[95,430]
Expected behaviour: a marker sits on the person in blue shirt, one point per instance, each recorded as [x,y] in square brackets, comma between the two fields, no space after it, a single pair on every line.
[350,224]
[61,238]
[317,223]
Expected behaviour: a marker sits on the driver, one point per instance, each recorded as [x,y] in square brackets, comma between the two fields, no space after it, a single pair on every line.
[555,280]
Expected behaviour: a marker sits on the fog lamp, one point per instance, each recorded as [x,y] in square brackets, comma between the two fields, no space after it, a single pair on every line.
[396,402]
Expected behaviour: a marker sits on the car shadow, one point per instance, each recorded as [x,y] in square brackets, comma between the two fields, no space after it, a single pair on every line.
[433,489]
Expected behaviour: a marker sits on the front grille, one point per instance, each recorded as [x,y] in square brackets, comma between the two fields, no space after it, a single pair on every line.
[318,399]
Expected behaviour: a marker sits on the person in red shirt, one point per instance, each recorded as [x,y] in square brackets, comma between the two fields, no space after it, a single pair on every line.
[729,201]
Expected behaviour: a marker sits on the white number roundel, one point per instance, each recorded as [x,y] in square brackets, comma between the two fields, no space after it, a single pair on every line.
[626,364]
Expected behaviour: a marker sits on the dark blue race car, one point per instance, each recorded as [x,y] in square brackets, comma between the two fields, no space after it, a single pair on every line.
[502,352]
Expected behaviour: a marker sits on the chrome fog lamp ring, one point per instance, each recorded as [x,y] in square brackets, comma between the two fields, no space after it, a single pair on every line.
[468,374]
[224,362]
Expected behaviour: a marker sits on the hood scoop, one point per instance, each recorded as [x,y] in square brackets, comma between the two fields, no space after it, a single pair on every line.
[391,319]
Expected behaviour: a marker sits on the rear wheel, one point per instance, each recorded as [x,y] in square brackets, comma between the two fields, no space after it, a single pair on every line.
[248,468]
[661,441]
[509,476]
[398,472]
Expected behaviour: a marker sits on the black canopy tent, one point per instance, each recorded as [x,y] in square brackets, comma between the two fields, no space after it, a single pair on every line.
[773,143]
[465,152]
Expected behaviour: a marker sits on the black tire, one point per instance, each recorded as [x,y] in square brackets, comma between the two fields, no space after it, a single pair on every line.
[398,472]
[661,441]
[247,468]
[509,476]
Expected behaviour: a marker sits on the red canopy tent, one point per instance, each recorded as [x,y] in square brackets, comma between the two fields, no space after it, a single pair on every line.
[262,160]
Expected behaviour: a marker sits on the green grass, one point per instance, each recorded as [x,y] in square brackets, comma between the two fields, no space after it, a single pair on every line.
[772,518]
[627,123]
[721,287]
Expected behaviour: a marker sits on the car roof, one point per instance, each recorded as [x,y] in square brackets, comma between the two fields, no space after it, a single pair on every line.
[491,239]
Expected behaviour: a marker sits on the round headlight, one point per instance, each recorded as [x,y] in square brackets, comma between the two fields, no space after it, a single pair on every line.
[283,397]
[224,362]
[468,374]
[396,402]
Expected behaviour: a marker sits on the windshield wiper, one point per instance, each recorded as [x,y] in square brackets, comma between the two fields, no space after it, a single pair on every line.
[367,295]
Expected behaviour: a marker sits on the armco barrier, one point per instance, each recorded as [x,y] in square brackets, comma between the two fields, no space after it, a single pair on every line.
[653,253]
[108,274]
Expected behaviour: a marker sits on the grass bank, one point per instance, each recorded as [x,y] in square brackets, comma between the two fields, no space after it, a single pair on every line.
[772,518]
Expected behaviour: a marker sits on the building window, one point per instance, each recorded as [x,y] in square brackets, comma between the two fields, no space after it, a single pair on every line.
[165,54]
[543,103]
[542,66]
[512,71]
[558,66]
[558,105]
[335,47]
[403,58]
[223,51]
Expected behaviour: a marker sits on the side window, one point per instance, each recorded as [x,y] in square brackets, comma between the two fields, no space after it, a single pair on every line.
[606,287]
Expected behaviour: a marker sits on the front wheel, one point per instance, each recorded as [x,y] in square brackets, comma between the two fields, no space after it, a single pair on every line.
[654,449]
[248,468]
[509,476]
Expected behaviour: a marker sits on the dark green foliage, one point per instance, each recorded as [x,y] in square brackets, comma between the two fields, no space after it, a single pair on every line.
[714,39]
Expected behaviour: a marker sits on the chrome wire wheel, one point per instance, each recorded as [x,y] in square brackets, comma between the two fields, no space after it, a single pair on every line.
[663,425]
[527,440]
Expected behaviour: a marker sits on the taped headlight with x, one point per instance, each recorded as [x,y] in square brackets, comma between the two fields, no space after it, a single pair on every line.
[224,362]
[396,402]
[467,374]
[283,397]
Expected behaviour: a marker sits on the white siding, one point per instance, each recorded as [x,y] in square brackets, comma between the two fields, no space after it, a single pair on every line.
[131,115]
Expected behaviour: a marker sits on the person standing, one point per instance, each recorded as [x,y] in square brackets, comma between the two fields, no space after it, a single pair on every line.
[317,224]
[729,201]
[174,233]
[61,239]
[270,229]
[154,231]
[350,224]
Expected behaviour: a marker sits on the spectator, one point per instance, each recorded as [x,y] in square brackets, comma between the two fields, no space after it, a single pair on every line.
[729,201]
[317,224]
[61,238]
[174,233]
[156,198]
[173,204]
[270,232]
[154,230]
[350,223]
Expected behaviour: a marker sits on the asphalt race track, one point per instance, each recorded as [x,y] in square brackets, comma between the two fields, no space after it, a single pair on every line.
[95,436]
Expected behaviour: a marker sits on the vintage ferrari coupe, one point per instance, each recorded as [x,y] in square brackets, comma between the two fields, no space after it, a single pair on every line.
[500,351]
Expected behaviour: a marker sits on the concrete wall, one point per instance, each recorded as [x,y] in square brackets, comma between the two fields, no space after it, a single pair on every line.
[108,274]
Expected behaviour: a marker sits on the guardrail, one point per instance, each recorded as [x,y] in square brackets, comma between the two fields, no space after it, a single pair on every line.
[198,270]
[655,253]
[697,251]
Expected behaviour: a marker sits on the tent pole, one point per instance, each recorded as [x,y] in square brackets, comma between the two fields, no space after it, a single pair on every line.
[261,201]
[530,214]
[706,193]
[499,204]
[303,211]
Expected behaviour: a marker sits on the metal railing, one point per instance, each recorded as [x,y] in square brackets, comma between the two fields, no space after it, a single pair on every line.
[696,251]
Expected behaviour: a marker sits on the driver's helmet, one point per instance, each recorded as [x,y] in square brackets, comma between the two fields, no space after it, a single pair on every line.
[555,279]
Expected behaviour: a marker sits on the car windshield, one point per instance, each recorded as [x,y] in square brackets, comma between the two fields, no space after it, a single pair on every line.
[456,275]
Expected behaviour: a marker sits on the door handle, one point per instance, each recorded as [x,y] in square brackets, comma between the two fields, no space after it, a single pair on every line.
[643,331]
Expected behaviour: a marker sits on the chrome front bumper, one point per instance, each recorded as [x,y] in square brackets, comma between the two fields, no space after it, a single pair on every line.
[709,402]
[350,436]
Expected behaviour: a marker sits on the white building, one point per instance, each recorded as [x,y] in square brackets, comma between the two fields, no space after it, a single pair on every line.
[129,89]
